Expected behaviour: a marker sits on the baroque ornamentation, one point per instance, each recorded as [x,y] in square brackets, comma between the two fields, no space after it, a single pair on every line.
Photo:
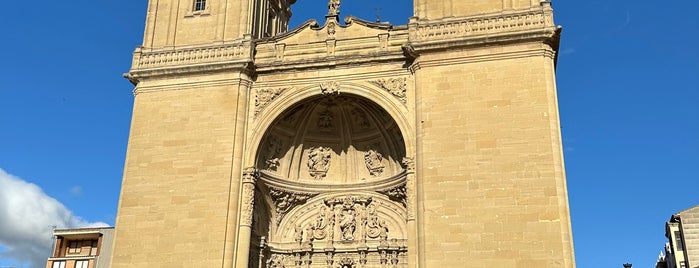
[319,161]
[350,210]
[330,89]
[396,86]
[266,95]
[276,261]
[398,194]
[285,200]
[331,29]
[321,224]
[373,161]
[347,262]
[249,179]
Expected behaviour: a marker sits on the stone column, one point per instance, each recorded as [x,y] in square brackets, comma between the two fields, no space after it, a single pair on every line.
[249,180]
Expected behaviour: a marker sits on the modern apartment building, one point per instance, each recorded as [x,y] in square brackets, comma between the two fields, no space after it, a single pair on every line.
[81,248]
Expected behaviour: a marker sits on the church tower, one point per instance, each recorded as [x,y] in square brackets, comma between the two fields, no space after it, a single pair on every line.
[344,143]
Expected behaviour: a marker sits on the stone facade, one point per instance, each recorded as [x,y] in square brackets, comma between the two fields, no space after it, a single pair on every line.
[345,144]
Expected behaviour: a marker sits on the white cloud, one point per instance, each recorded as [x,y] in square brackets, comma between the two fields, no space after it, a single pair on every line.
[26,217]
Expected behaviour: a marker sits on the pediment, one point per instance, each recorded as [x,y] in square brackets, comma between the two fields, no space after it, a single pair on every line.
[314,43]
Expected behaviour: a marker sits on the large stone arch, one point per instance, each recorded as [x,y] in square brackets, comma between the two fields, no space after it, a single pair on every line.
[288,97]
[331,185]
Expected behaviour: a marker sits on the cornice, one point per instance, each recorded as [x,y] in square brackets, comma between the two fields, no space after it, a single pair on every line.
[505,27]
[382,184]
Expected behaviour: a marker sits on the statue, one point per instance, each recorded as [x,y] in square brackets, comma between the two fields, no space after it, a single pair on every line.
[348,224]
[333,7]
[318,161]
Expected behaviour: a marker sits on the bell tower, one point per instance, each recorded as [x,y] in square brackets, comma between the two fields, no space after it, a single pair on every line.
[345,143]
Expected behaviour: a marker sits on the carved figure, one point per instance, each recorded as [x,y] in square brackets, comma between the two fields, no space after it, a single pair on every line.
[274,148]
[318,161]
[372,160]
[348,224]
[360,118]
[383,233]
[333,7]
[325,120]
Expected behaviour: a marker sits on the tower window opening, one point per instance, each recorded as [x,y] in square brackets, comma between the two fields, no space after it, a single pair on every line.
[199,5]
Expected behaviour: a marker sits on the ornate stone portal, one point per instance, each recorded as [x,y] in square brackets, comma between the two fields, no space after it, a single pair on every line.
[435,143]
[335,191]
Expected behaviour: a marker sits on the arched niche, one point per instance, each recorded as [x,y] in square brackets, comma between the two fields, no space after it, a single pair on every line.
[331,186]
[332,140]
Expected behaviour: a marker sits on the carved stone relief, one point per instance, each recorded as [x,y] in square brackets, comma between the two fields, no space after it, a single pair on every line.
[266,95]
[398,194]
[285,200]
[319,161]
[331,29]
[274,150]
[330,89]
[360,118]
[373,161]
[276,261]
[325,121]
[249,179]
[396,86]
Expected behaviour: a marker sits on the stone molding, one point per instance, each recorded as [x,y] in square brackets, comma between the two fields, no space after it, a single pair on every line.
[512,21]
[535,24]
[162,57]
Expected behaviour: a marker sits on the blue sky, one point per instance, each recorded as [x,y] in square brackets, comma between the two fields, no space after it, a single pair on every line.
[628,94]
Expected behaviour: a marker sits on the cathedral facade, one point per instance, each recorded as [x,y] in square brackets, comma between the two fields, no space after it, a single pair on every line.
[345,143]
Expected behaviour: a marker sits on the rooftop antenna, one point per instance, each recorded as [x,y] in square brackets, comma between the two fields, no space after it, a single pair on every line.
[378,13]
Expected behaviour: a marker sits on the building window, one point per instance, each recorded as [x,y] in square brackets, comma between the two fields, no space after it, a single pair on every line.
[93,248]
[82,264]
[683,264]
[59,264]
[678,241]
[199,5]
[74,247]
